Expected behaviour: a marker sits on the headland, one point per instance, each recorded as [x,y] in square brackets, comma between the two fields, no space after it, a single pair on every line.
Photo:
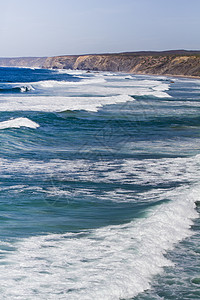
[172,63]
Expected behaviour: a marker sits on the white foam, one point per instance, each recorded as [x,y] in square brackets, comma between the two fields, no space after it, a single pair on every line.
[107,85]
[17,123]
[147,171]
[58,104]
[26,88]
[130,87]
[55,83]
[158,171]
[102,90]
[113,262]
[22,87]
[110,263]
[161,87]
[69,71]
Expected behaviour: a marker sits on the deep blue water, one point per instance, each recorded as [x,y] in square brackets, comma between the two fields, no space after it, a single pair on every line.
[99,186]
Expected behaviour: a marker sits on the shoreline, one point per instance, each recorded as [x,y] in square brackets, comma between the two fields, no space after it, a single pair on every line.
[120,72]
[167,75]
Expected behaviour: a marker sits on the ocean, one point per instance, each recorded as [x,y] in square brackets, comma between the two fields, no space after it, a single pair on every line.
[99,186]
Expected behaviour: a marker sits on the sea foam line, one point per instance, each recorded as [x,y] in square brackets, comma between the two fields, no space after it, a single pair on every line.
[55,83]
[58,104]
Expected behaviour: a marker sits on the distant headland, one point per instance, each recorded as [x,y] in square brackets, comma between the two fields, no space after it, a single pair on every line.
[173,62]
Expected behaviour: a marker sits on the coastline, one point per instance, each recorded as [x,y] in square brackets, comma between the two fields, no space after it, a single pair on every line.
[172,63]
[169,75]
[120,72]
[175,63]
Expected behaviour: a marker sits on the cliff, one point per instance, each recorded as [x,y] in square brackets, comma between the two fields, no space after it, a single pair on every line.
[176,63]
[60,62]
[36,62]
[180,63]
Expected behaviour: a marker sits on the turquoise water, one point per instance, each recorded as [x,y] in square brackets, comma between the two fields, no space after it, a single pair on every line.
[99,194]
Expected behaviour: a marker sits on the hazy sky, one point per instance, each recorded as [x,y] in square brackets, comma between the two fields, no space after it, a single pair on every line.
[58,27]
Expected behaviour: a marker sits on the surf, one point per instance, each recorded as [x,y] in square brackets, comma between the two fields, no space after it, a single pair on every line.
[99,185]
[111,262]
[17,123]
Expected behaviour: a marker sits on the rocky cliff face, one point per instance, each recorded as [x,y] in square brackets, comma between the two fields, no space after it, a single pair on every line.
[60,62]
[180,63]
[158,64]
[169,65]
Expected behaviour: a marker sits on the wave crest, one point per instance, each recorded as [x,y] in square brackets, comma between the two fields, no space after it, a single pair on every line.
[16,89]
[17,123]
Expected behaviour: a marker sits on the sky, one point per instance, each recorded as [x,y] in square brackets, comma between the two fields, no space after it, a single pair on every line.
[64,27]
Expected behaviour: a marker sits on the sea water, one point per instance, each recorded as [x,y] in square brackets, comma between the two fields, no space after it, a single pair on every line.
[99,186]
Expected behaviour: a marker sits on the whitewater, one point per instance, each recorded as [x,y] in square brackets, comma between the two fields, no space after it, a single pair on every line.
[99,190]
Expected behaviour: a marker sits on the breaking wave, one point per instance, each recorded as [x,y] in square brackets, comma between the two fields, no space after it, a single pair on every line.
[17,123]
[16,89]
[58,104]
[113,262]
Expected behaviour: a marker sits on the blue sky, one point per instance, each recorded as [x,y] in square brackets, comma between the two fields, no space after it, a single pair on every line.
[59,27]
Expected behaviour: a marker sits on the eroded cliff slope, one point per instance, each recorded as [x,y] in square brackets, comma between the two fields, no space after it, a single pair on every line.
[157,63]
